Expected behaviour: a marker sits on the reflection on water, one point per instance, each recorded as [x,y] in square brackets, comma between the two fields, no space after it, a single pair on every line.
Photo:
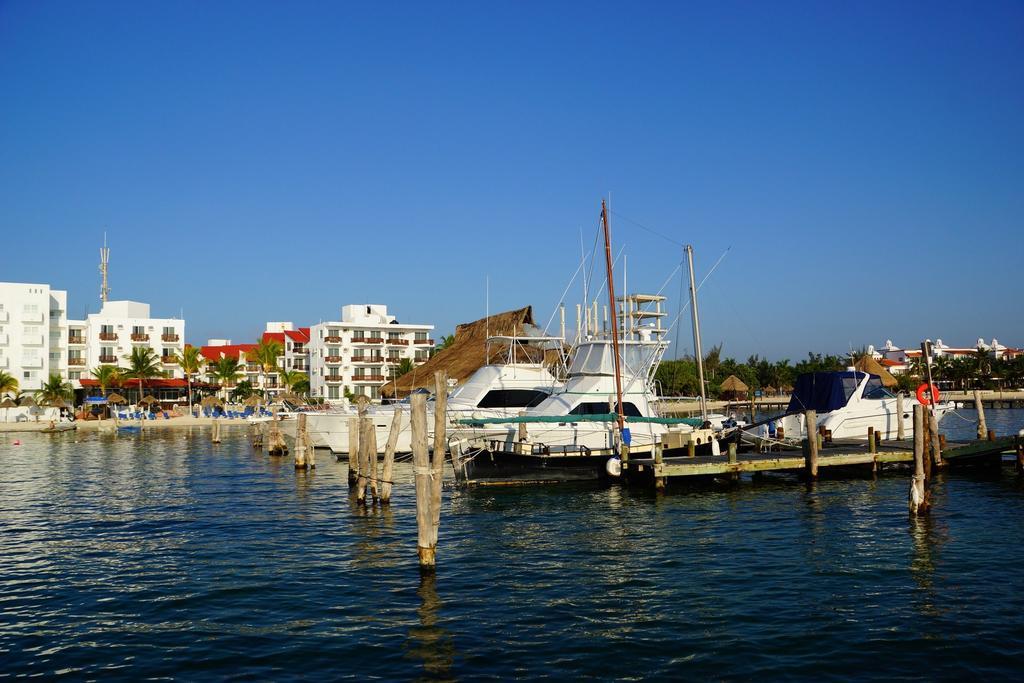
[163,556]
[429,644]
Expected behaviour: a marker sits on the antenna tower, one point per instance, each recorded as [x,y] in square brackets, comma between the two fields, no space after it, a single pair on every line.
[104,261]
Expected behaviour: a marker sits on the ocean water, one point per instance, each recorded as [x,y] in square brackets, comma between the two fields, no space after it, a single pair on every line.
[162,556]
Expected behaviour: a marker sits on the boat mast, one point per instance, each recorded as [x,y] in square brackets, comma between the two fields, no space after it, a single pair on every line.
[615,323]
[696,335]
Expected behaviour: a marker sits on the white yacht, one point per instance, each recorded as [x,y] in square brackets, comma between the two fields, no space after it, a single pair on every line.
[572,433]
[515,381]
[847,403]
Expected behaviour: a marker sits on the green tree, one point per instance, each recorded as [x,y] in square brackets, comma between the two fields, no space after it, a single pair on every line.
[265,353]
[290,378]
[55,388]
[8,384]
[227,370]
[242,391]
[301,387]
[404,366]
[191,362]
[107,376]
[143,364]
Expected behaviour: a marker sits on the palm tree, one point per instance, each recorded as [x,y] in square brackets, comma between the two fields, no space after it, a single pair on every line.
[8,383]
[291,378]
[226,370]
[191,363]
[106,375]
[266,352]
[143,364]
[55,388]
[404,365]
[302,386]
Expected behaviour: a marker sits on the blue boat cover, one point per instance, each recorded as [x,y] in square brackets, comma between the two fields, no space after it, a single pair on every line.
[823,391]
[97,400]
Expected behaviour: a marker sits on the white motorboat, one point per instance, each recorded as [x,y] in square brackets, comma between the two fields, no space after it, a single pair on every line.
[847,403]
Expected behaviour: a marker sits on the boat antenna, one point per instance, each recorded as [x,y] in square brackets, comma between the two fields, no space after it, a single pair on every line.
[699,356]
[615,324]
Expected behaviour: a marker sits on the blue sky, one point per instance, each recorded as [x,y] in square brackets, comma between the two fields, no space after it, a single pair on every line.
[274,161]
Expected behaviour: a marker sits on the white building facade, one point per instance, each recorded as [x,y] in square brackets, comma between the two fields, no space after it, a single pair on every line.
[362,351]
[108,337]
[33,329]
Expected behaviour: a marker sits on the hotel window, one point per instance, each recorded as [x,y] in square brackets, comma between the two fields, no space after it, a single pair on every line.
[106,329]
[333,391]
[29,309]
[31,329]
[138,329]
[74,375]
[421,336]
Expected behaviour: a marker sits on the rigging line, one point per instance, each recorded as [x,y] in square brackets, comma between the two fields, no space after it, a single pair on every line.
[650,230]
[685,306]
[617,257]
[566,291]
[593,257]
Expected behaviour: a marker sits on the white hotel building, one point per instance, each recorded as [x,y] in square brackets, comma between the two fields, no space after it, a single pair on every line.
[107,337]
[33,333]
[360,352]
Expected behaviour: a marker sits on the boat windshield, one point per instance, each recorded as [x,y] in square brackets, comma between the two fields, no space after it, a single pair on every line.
[824,391]
[596,359]
[874,389]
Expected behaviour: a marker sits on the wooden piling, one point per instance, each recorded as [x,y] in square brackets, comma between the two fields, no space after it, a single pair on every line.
[215,435]
[991,435]
[872,448]
[522,433]
[980,407]
[440,447]
[900,429]
[659,482]
[1020,456]
[691,448]
[300,441]
[918,487]
[365,427]
[310,452]
[421,470]
[811,453]
[370,460]
[388,474]
[933,431]
[353,451]
[753,410]
[733,458]
[276,444]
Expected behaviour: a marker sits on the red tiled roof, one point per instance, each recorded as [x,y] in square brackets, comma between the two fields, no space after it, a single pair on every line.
[300,335]
[273,336]
[215,353]
[888,362]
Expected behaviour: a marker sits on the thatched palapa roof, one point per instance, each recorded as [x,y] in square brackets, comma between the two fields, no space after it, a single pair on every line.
[734,384]
[466,354]
[873,367]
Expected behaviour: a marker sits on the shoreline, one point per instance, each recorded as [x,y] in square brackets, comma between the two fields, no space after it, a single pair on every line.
[98,425]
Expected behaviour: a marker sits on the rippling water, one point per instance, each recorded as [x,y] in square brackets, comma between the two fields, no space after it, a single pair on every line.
[163,556]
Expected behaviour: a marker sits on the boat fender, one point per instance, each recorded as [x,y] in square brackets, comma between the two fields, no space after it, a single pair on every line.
[715,448]
[613,467]
[926,394]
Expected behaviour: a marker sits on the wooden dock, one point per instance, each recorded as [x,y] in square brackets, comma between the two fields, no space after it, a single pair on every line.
[837,455]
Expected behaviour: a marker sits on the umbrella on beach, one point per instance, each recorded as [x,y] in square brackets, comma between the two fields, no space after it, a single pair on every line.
[115,398]
[27,401]
[7,405]
[288,396]
[733,385]
[253,400]
[148,399]
[57,403]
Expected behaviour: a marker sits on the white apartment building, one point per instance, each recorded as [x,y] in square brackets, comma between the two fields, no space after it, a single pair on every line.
[107,337]
[33,327]
[361,351]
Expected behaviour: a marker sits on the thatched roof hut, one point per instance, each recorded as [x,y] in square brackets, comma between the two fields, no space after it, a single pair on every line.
[733,387]
[873,367]
[466,354]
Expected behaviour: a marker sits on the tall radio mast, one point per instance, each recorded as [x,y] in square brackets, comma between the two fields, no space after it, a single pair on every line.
[104,261]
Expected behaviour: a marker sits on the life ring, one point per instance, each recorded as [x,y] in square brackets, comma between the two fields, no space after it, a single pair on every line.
[927,394]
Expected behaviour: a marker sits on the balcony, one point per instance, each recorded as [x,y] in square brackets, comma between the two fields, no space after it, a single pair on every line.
[368,378]
[398,342]
[3,361]
[333,379]
[300,367]
[169,338]
[4,316]
[3,340]
[168,360]
[32,340]
[108,359]
[367,359]
[32,317]
[333,360]
[76,361]
[140,338]
[36,362]
[76,339]
[368,340]
[332,340]
[429,342]
[108,336]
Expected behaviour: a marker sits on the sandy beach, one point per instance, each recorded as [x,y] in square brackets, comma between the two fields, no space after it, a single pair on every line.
[172,423]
